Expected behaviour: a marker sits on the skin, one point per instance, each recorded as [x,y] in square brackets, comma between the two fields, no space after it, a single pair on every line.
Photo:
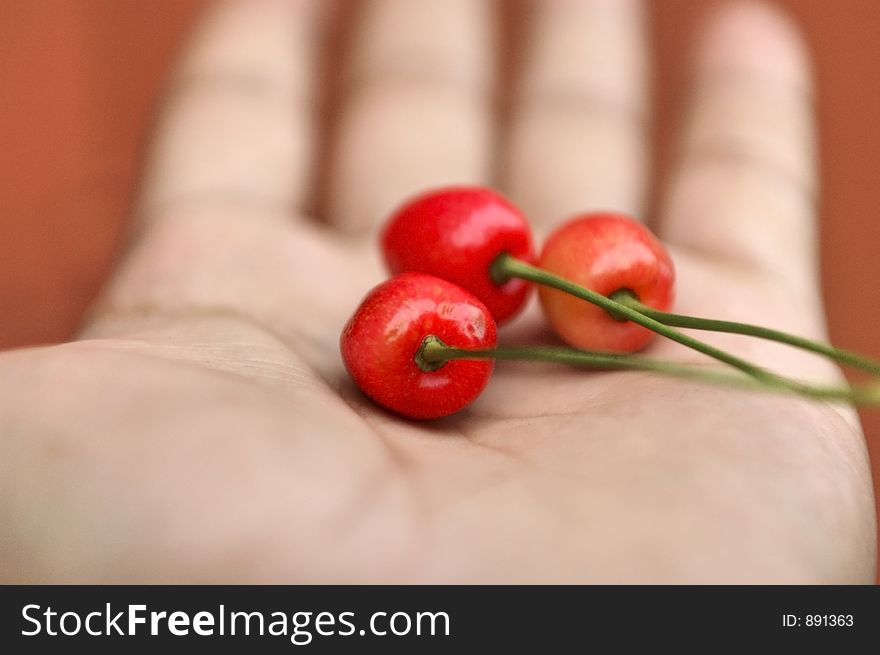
[201,428]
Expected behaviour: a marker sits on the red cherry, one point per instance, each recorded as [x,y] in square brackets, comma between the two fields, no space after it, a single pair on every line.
[380,342]
[455,234]
[605,252]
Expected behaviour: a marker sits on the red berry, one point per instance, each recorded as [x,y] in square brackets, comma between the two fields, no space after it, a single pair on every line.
[380,342]
[605,252]
[455,234]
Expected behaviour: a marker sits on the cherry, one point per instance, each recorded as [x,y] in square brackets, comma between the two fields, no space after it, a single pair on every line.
[424,347]
[383,339]
[611,254]
[456,233]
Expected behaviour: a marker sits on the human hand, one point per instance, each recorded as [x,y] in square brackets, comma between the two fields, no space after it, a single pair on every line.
[203,429]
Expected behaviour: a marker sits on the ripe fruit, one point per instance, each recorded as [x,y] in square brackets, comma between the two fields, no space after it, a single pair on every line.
[605,252]
[380,342]
[455,234]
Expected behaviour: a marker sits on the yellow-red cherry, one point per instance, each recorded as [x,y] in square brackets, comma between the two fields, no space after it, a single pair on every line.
[456,233]
[381,341]
[606,252]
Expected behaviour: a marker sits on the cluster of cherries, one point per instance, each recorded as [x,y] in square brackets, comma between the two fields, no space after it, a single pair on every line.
[423,343]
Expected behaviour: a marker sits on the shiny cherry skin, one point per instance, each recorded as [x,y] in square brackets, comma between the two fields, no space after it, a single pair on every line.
[605,252]
[456,233]
[380,343]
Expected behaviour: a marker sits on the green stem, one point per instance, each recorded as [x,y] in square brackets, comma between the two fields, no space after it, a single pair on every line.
[434,353]
[850,358]
[506,266]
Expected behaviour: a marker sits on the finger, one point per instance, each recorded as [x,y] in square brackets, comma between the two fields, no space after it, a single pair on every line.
[745,183]
[415,113]
[577,134]
[237,124]
[230,157]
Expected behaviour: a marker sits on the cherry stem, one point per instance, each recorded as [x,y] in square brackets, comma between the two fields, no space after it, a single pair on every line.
[506,266]
[626,297]
[433,353]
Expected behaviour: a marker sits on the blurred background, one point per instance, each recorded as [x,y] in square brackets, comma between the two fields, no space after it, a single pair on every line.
[80,80]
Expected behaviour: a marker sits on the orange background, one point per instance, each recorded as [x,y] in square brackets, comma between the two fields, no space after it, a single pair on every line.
[79,82]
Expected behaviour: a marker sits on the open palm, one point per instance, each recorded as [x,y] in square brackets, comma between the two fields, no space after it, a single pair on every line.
[203,428]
